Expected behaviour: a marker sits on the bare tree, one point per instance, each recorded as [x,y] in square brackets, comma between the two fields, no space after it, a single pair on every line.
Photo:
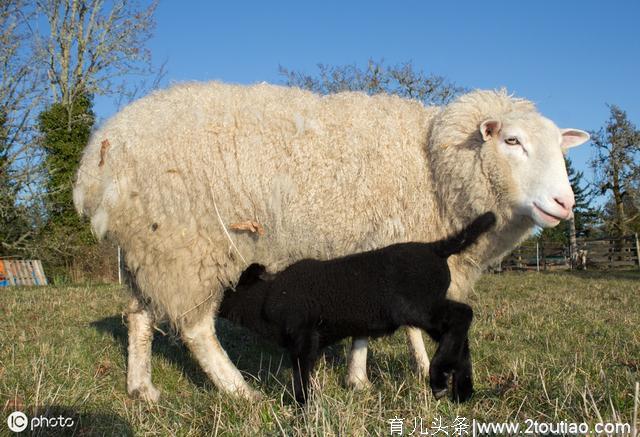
[54,56]
[20,99]
[403,80]
[93,46]
[90,48]
[615,163]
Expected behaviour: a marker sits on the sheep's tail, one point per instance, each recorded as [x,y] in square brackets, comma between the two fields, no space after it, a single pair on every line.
[465,238]
[95,190]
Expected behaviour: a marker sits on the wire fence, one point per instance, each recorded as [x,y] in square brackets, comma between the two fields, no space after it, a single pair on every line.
[601,253]
[107,263]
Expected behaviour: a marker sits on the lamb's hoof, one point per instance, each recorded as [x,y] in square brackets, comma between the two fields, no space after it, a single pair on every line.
[439,393]
[462,396]
[358,383]
[439,382]
[146,393]
[462,388]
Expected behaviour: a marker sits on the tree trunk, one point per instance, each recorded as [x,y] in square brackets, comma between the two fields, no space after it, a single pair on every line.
[621,222]
[573,244]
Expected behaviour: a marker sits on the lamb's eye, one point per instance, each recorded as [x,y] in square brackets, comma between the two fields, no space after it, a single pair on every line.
[512,141]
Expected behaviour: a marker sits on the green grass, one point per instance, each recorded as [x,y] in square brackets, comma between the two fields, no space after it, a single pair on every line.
[549,347]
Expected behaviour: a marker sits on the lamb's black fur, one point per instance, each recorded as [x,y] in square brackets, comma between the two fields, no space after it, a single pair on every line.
[312,304]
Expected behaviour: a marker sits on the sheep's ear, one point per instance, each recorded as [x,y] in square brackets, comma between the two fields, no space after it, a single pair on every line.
[490,128]
[573,137]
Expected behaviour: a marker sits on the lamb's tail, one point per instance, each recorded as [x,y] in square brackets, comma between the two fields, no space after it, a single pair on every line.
[465,238]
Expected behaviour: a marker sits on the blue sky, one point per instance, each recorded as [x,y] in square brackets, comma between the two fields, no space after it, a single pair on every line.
[569,57]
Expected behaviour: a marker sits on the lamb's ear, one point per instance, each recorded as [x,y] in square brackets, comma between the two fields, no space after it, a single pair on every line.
[489,128]
[573,137]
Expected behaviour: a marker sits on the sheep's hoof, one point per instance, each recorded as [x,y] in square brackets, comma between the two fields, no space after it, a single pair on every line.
[146,393]
[422,371]
[439,394]
[250,394]
[358,383]
[421,367]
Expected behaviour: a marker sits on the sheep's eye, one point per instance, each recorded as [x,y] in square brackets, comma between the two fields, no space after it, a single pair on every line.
[512,141]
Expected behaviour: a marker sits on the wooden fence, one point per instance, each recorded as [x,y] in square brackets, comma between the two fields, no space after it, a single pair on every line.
[594,253]
[21,272]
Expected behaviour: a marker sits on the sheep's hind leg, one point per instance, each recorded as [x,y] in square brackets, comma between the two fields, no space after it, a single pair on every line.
[357,366]
[140,324]
[201,339]
[416,346]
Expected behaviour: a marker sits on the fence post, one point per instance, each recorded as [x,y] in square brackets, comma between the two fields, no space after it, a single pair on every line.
[537,257]
[638,250]
[119,265]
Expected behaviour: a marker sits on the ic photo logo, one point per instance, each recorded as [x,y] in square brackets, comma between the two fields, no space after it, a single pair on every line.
[17,421]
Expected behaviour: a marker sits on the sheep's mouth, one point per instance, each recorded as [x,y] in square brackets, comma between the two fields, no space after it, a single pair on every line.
[547,216]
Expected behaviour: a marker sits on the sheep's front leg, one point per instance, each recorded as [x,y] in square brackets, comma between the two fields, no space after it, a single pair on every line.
[204,345]
[140,324]
[357,366]
[416,346]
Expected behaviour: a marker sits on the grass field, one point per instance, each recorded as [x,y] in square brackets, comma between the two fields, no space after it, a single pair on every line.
[547,347]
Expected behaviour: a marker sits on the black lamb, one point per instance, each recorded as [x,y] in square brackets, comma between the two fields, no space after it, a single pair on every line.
[312,304]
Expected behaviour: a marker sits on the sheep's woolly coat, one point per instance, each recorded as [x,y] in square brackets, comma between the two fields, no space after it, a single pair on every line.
[325,177]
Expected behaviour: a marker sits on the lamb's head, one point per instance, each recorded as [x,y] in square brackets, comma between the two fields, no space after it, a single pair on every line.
[529,149]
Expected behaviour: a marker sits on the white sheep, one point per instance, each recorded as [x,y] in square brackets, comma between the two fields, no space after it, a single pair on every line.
[322,176]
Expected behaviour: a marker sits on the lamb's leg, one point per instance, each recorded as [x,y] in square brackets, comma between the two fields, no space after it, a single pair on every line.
[304,358]
[140,324]
[416,345]
[203,343]
[302,368]
[357,366]
[462,382]
[454,318]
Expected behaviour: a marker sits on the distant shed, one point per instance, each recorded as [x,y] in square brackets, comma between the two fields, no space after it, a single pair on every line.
[21,273]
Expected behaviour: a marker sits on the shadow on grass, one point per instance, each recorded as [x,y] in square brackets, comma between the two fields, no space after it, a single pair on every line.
[255,358]
[68,421]
[246,352]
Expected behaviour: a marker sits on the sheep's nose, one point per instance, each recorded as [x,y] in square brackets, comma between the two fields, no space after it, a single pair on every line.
[567,203]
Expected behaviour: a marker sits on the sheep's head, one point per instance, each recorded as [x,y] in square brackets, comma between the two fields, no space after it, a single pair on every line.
[531,147]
